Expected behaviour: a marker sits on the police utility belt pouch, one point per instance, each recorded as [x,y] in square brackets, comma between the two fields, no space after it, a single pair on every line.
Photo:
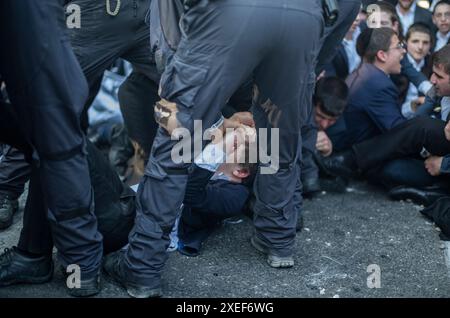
[330,12]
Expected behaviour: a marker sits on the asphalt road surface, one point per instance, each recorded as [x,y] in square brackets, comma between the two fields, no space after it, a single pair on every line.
[357,244]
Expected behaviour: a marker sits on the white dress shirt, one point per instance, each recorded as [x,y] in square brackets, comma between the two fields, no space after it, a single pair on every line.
[406,19]
[413,93]
[354,60]
[441,40]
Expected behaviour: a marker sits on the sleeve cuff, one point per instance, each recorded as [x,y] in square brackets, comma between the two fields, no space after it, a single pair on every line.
[445,165]
[424,87]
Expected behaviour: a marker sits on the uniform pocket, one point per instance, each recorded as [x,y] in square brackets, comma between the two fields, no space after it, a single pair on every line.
[182,81]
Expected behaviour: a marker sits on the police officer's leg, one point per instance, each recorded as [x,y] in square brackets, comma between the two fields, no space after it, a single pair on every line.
[49,105]
[101,39]
[36,235]
[31,260]
[309,169]
[211,62]
[14,173]
[10,132]
[139,93]
[284,101]
[14,170]
[137,96]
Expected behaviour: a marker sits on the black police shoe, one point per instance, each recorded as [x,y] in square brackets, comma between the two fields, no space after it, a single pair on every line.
[424,196]
[272,259]
[87,286]
[16,268]
[339,165]
[112,265]
[8,207]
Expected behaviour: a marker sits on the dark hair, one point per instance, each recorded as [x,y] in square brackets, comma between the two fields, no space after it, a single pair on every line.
[388,8]
[439,3]
[370,41]
[441,58]
[421,28]
[331,96]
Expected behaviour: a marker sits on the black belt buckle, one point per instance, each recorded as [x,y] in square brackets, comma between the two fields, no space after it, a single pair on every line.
[330,12]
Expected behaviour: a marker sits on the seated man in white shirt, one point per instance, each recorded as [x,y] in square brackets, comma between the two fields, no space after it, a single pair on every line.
[441,18]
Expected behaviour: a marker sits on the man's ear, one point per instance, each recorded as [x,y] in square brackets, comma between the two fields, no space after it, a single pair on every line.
[396,26]
[381,56]
[241,173]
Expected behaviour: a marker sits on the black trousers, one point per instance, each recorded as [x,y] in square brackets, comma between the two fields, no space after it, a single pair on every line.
[407,139]
[114,209]
[114,201]
[14,172]
[47,88]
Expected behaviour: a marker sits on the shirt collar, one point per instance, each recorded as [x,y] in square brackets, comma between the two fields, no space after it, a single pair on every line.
[417,66]
[442,37]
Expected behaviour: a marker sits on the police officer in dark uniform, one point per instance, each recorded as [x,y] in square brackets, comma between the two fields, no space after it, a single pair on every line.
[48,90]
[107,30]
[223,43]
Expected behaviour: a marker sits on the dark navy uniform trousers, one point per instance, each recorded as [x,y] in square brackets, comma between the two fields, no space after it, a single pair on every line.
[224,42]
[100,41]
[48,91]
[97,44]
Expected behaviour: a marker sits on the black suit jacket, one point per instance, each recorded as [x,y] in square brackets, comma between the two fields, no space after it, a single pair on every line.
[339,65]
[424,16]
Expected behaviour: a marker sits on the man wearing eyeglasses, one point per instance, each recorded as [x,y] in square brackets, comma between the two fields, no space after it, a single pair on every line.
[373,105]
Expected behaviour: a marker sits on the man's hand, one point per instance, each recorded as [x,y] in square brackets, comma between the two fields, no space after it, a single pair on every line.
[238,120]
[433,165]
[324,144]
[447,131]
[417,103]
